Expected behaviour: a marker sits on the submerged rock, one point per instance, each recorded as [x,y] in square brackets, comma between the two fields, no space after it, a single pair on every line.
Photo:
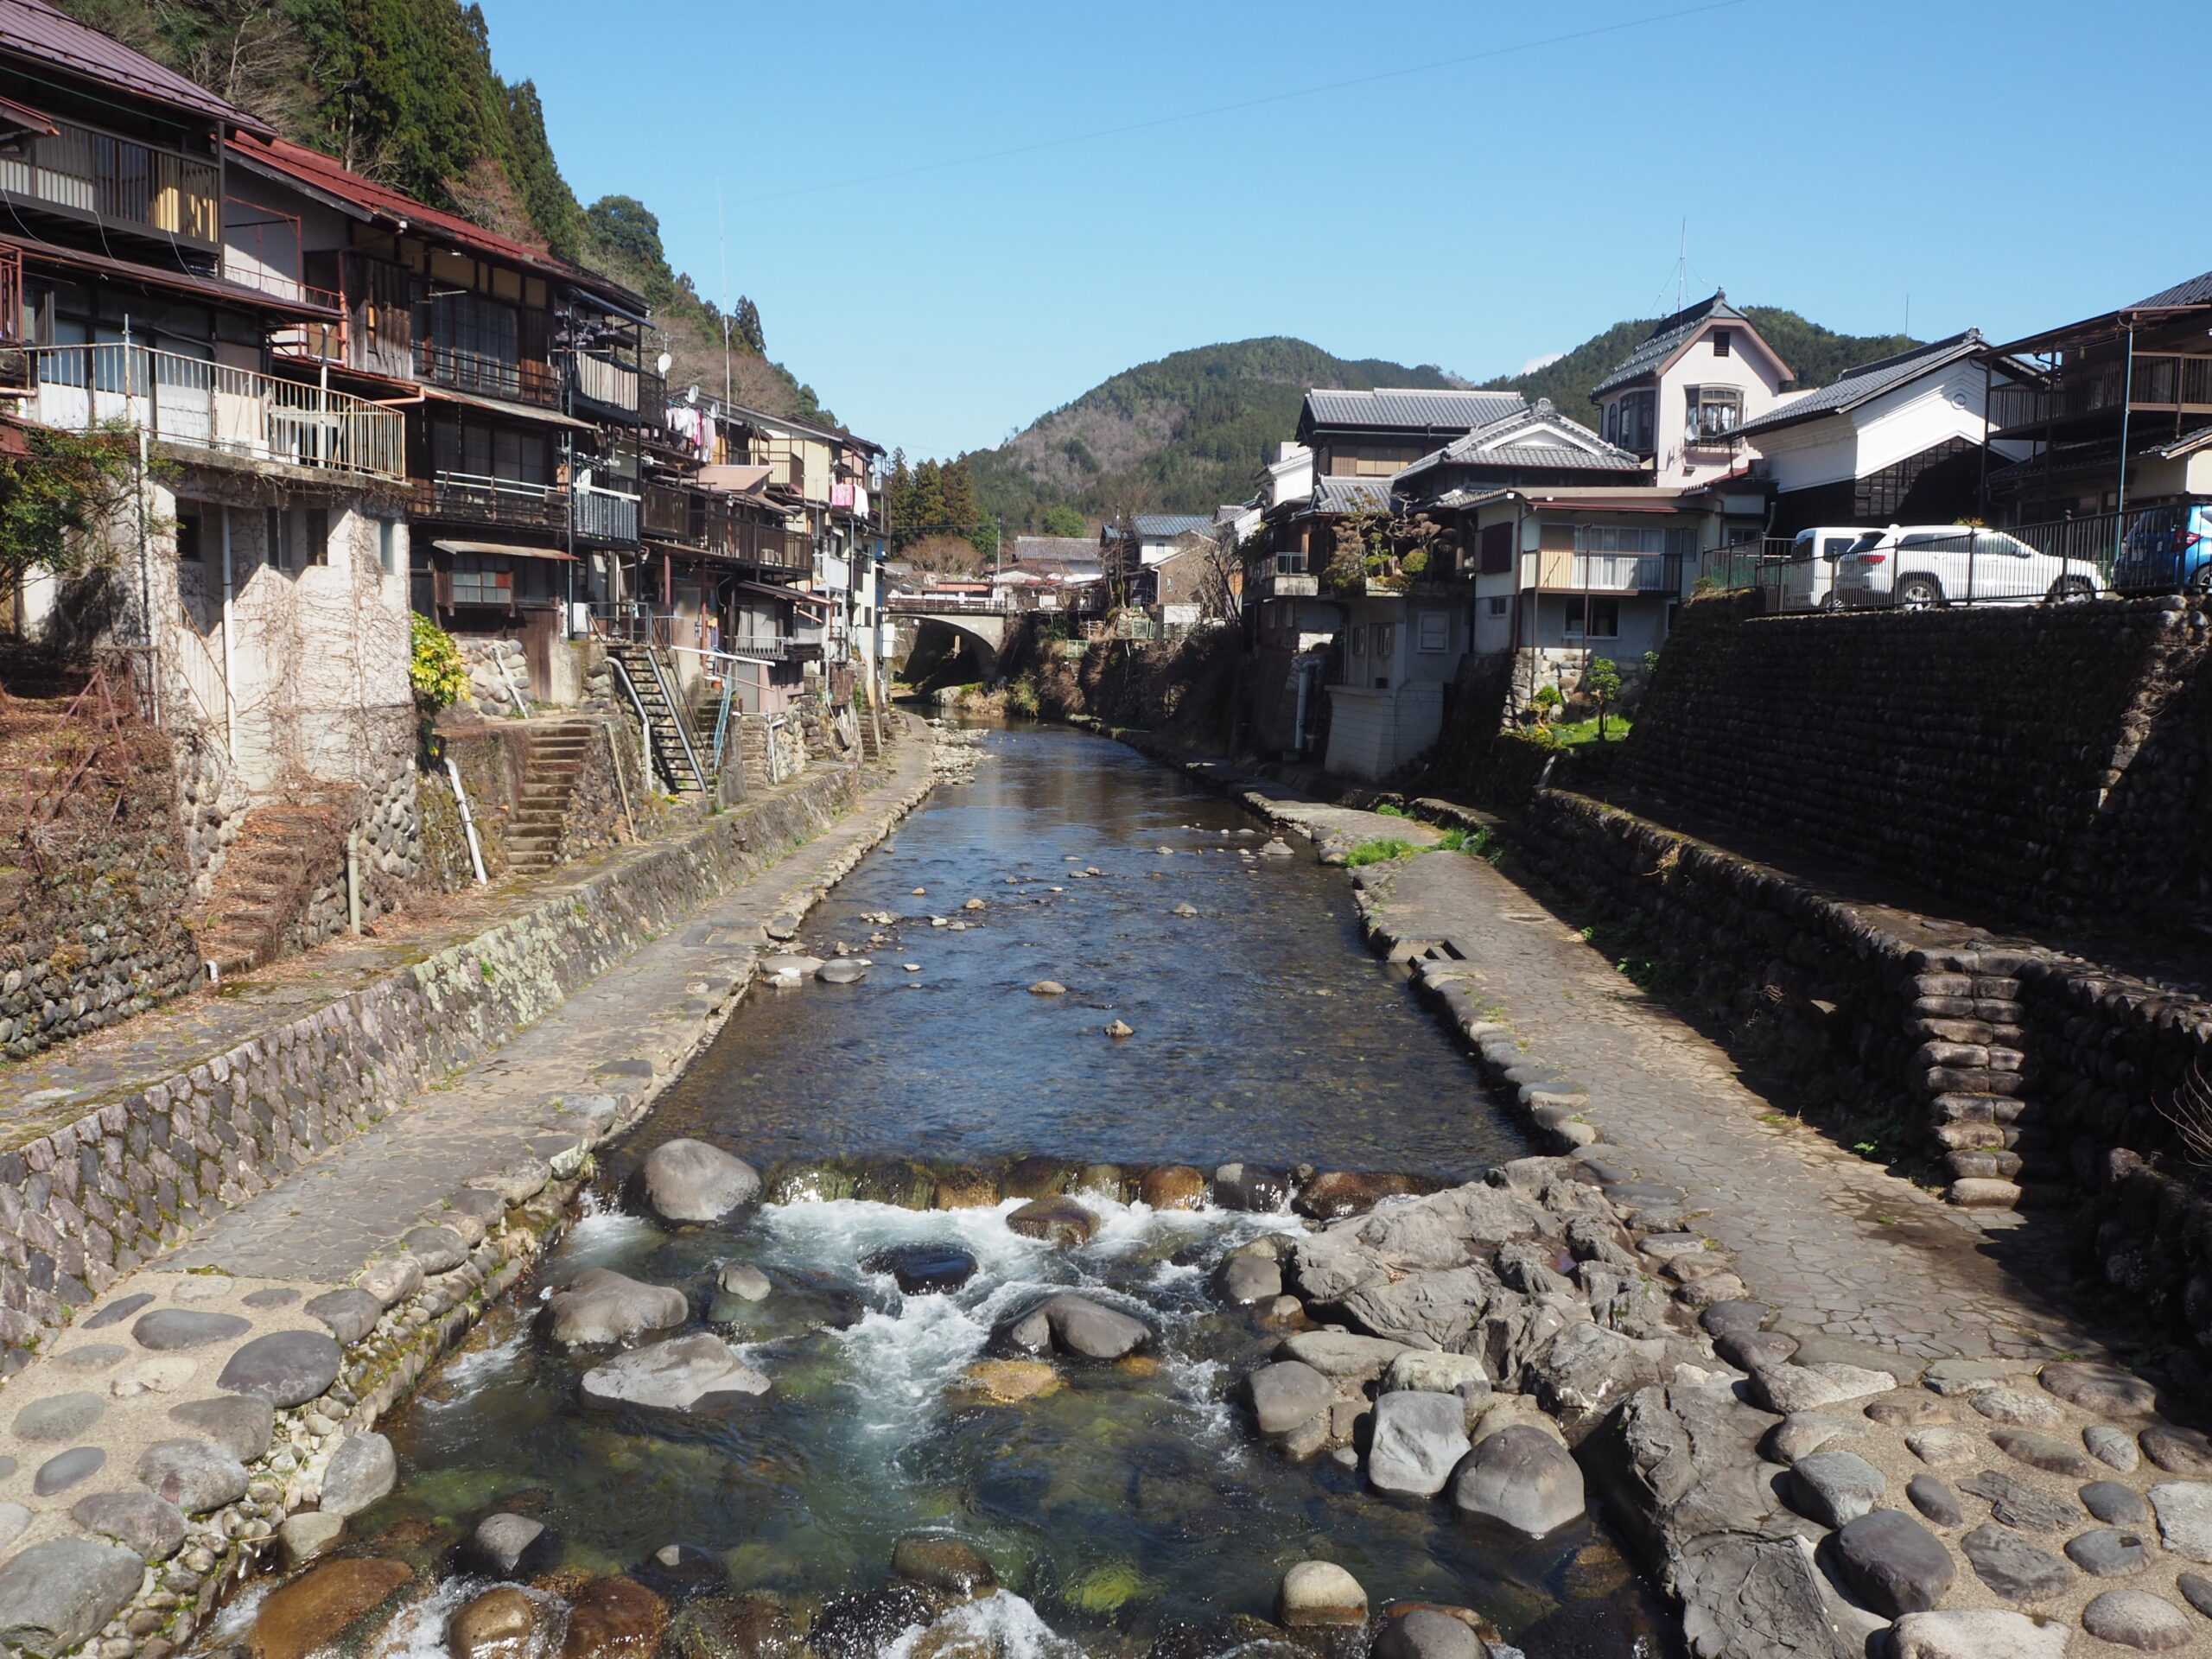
[615,1619]
[754,1626]
[500,1541]
[1057,1220]
[318,1611]
[743,1280]
[1425,1633]
[1006,1382]
[505,1622]
[944,1565]
[863,1626]
[1247,1278]
[696,1375]
[600,1306]
[924,1269]
[689,1181]
[1319,1593]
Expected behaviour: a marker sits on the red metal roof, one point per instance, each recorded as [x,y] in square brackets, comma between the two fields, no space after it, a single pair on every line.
[312,167]
[32,29]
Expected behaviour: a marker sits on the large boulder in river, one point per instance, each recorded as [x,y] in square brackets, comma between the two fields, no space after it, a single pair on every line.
[317,1612]
[1520,1476]
[1074,1325]
[1413,1235]
[689,1181]
[697,1375]
[1057,1220]
[602,1305]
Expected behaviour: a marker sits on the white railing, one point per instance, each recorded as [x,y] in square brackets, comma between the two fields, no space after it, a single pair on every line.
[202,405]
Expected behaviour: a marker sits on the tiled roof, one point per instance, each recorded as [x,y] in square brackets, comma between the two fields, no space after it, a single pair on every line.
[1492,446]
[2198,290]
[33,29]
[1078,549]
[1349,495]
[1869,380]
[1667,334]
[1170,524]
[1421,410]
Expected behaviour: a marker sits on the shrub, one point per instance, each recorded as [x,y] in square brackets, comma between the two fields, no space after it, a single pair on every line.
[435,671]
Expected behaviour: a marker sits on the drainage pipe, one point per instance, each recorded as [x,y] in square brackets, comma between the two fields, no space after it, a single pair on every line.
[467,823]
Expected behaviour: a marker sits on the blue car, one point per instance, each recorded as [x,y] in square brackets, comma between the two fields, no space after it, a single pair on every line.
[2168,549]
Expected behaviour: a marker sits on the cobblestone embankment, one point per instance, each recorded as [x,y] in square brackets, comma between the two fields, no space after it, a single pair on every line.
[341,1201]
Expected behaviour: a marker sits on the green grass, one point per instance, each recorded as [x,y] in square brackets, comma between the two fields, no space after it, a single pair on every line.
[1570,733]
[1384,810]
[1376,852]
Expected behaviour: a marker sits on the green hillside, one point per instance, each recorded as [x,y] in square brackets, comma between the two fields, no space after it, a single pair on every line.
[1182,434]
[1817,355]
[404,91]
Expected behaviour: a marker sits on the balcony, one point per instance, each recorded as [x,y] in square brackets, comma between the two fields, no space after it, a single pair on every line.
[603,382]
[305,341]
[466,499]
[2170,383]
[201,405]
[118,183]
[773,647]
[488,377]
[604,516]
[1562,572]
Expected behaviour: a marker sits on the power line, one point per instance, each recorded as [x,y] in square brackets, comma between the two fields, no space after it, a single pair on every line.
[1183,115]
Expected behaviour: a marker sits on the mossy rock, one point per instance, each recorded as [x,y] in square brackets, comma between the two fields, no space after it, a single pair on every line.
[1102,1592]
[812,1184]
[901,1182]
[1038,1177]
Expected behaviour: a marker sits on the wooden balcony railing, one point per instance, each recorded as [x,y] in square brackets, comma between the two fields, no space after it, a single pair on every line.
[119,182]
[2172,382]
[465,498]
[184,400]
[515,382]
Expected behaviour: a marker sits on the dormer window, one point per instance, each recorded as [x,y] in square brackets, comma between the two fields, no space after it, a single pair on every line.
[1713,412]
[1721,342]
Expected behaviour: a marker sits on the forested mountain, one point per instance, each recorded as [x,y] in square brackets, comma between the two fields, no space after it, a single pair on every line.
[1182,434]
[1815,354]
[404,91]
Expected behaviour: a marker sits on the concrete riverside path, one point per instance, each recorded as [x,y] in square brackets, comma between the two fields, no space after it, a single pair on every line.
[1834,1243]
[102,1393]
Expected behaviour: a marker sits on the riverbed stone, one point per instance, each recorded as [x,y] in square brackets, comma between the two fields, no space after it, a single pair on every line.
[166,1329]
[1286,1394]
[2178,1451]
[1521,1477]
[140,1520]
[1835,1488]
[286,1368]
[437,1249]
[693,1375]
[56,1595]
[1036,1177]
[1318,1594]
[350,1314]
[308,1535]
[841,971]
[2018,1504]
[1893,1564]
[1048,988]
[505,1622]
[1435,1373]
[2138,1619]
[1247,1278]
[58,1417]
[945,1565]
[194,1475]
[1336,1194]
[361,1472]
[1428,1633]
[1341,1354]
[1058,1221]
[1006,1382]
[1419,1439]
[2102,1390]
[1936,1500]
[2108,1553]
[924,1269]
[600,1305]
[615,1619]
[392,1280]
[1090,1330]
[67,1469]
[500,1541]
[1251,1188]
[2185,1512]
[743,1280]
[242,1424]
[2012,1565]
[689,1181]
[315,1612]
[1977,1633]
[2047,1453]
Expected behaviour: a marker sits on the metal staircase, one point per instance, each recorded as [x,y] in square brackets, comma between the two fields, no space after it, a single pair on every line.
[652,690]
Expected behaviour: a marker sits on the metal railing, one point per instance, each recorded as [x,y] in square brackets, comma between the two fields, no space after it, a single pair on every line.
[517,382]
[2167,380]
[604,516]
[471,499]
[120,181]
[946,602]
[202,405]
[2144,551]
[1561,571]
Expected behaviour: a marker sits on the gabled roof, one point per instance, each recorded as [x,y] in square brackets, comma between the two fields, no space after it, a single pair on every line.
[1409,410]
[1869,381]
[1170,524]
[1668,338]
[2198,290]
[33,29]
[1348,495]
[324,176]
[1538,435]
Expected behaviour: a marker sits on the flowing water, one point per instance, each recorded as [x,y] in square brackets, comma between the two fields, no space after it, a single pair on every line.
[1132,1507]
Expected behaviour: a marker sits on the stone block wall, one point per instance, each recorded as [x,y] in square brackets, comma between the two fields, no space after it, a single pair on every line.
[91,1188]
[2048,762]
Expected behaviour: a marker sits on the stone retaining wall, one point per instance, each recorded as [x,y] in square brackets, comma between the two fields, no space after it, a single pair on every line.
[2052,762]
[89,1189]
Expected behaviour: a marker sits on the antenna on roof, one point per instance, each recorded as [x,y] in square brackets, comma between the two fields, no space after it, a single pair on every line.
[721,235]
[1682,268]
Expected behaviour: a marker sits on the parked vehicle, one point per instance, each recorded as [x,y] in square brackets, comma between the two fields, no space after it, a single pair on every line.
[1809,582]
[2166,551]
[1912,567]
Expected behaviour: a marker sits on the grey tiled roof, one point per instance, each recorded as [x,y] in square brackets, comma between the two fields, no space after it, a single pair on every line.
[1170,524]
[1869,380]
[1349,495]
[1481,448]
[2198,290]
[1421,411]
[1666,335]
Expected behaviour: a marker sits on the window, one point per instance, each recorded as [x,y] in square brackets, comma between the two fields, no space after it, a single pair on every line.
[1603,615]
[1722,341]
[388,546]
[1435,631]
[191,543]
[314,547]
[1386,640]
[474,451]
[1359,642]
[1713,412]
[482,579]
[477,328]
[1635,428]
[272,539]
[1496,604]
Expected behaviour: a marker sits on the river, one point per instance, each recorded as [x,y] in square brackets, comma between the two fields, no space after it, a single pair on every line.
[1131,1512]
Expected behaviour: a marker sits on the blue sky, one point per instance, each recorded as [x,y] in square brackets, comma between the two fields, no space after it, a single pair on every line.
[2006,163]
